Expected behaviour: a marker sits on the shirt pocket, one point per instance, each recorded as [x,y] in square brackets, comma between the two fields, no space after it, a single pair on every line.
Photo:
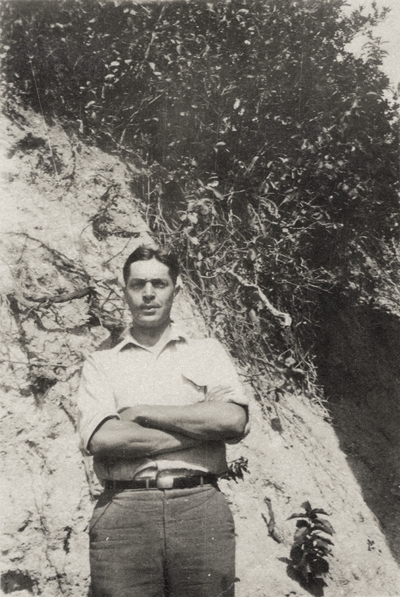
[193,387]
[196,369]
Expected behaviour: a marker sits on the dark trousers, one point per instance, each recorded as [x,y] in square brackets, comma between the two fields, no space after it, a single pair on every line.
[173,543]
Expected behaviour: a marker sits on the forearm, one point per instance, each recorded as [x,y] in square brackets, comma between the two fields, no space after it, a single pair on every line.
[202,421]
[126,439]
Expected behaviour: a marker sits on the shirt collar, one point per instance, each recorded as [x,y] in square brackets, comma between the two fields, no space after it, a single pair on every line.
[176,334]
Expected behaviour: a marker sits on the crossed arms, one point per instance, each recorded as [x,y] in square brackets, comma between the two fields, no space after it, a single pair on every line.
[146,430]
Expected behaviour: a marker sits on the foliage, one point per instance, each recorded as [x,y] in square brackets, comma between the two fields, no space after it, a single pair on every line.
[237,468]
[269,151]
[311,545]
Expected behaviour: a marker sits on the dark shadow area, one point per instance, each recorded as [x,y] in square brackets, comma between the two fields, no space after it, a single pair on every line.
[15,580]
[315,587]
[360,370]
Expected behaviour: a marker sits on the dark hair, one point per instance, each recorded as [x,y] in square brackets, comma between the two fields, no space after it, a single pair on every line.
[145,253]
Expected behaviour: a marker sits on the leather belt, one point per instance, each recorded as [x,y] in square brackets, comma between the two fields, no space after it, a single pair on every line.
[163,481]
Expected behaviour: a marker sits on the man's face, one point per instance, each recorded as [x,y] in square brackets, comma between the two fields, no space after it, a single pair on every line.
[149,293]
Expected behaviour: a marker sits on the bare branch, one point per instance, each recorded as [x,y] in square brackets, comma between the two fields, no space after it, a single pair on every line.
[285,318]
[61,298]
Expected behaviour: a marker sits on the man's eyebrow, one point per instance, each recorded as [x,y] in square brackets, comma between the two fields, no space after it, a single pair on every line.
[148,279]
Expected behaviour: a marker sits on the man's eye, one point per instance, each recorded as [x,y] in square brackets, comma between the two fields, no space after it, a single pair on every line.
[136,285]
[160,284]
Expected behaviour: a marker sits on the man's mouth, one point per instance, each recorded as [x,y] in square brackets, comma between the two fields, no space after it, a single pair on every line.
[148,307]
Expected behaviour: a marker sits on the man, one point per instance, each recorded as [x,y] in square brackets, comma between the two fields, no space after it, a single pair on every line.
[155,412]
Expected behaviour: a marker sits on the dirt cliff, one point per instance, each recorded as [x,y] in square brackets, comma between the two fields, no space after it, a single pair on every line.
[69,218]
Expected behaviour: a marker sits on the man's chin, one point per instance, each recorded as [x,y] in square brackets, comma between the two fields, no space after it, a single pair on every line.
[152,322]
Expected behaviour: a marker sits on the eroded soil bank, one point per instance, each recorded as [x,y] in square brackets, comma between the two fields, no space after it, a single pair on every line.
[67,225]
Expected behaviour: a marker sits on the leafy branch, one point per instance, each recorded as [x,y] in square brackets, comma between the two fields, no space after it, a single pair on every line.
[311,544]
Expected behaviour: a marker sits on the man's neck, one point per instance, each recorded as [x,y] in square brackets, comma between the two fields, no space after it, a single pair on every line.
[149,336]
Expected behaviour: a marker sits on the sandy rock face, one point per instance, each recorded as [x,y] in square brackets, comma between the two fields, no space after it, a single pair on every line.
[68,221]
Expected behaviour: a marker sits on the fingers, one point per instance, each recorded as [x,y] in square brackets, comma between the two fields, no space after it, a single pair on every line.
[130,413]
[125,414]
[219,393]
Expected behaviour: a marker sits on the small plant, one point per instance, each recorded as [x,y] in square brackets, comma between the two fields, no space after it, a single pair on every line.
[311,546]
[237,468]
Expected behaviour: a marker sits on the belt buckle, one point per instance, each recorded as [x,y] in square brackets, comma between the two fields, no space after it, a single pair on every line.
[164,482]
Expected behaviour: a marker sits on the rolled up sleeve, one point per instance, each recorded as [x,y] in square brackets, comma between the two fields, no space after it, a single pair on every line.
[222,373]
[95,400]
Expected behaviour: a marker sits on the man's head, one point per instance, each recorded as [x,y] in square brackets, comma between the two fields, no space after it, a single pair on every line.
[150,277]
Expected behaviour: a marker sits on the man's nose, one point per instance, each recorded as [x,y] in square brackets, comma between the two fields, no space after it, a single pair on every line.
[148,290]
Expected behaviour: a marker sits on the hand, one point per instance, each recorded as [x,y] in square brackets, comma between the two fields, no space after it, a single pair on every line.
[135,414]
[219,393]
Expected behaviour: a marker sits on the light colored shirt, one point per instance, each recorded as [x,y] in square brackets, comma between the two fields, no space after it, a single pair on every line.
[177,371]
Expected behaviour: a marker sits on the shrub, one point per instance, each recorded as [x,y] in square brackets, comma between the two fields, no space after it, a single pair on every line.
[311,545]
